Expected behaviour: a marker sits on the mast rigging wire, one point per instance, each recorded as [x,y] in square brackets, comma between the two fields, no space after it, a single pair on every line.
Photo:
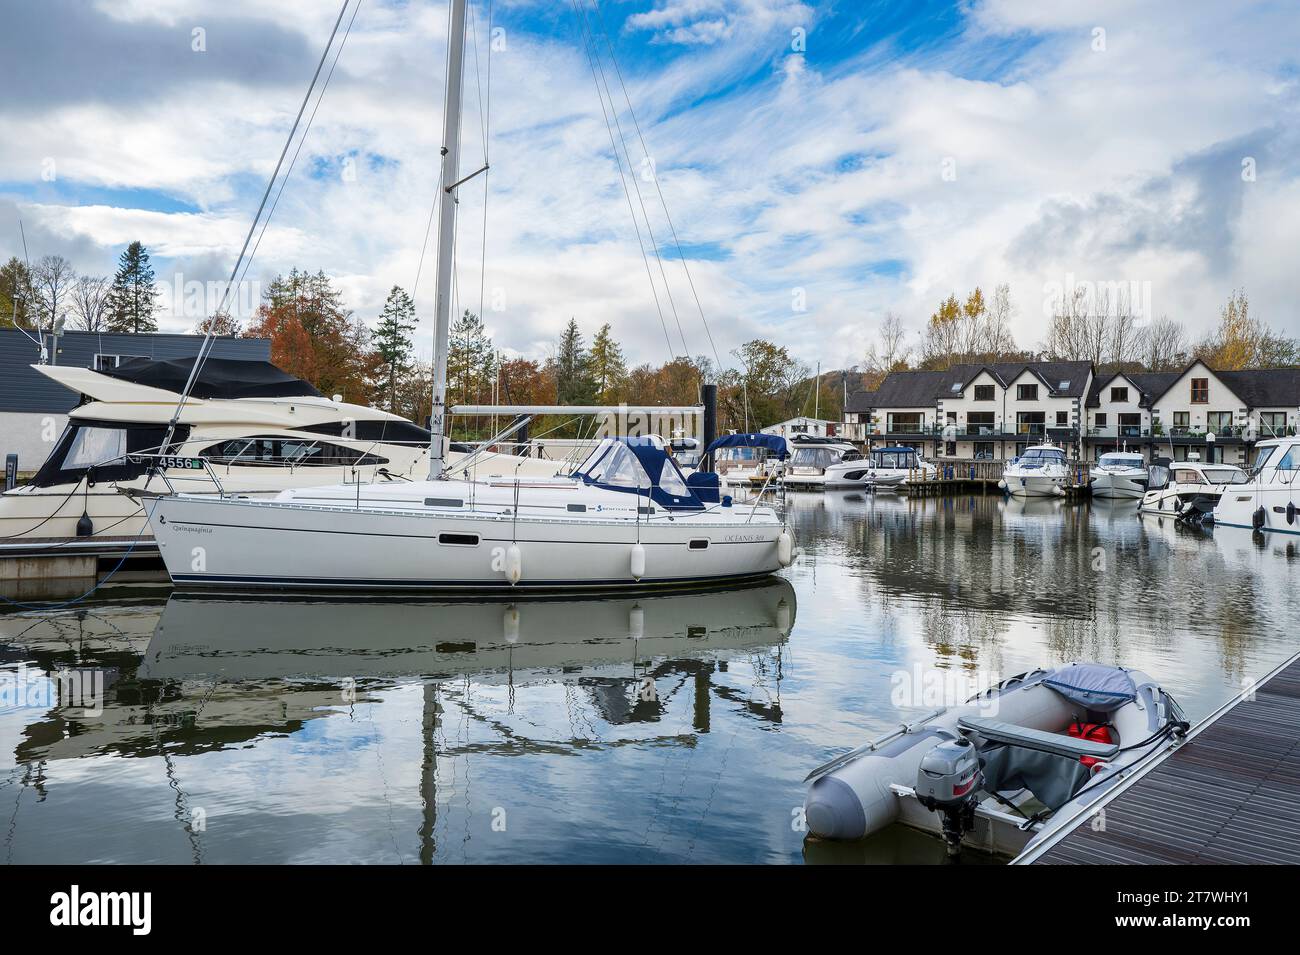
[206,346]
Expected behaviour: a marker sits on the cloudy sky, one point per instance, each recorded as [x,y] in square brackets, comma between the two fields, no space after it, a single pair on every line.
[823,162]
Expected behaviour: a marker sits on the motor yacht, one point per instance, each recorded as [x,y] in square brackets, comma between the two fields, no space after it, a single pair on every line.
[1190,489]
[1042,471]
[811,460]
[1119,474]
[882,469]
[259,429]
[1269,498]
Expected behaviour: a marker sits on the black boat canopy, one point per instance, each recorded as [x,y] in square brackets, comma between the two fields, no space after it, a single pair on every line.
[218,378]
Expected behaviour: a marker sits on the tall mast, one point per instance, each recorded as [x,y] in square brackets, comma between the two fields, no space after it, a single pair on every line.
[446,235]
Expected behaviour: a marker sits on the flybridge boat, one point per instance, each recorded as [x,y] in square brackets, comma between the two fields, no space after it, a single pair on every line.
[884,468]
[259,429]
[812,460]
[1005,769]
[1189,490]
[1042,471]
[1121,474]
[626,518]
[1269,498]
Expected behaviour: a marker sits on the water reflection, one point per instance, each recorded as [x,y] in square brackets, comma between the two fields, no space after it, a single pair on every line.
[667,728]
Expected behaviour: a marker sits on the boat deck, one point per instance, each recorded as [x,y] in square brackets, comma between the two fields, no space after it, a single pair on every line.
[1229,795]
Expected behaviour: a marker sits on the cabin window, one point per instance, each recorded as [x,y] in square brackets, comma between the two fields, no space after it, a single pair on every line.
[670,480]
[984,393]
[458,540]
[93,446]
[1119,395]
[272,451]
[700,543]
[443,502]
[1026,392]
[1290,462]
[577,508]
[1200,391]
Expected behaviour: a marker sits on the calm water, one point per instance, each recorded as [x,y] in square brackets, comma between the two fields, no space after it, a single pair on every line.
[652,730]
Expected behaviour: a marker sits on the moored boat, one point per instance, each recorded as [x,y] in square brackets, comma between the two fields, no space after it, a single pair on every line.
[1119,474]
[1007,767]
[1269,499]
[1189,490]
[882,469]
[1042,471]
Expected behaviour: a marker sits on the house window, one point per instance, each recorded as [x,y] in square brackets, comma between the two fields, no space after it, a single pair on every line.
[1063,419]
[979,422]
[1100,419]
[906,422]
[1130,425]
[1200,391]
[1272,423]
[1119,395]
[1030,422]
[1219,421]
[950,449]
[984,393]
[1026,392]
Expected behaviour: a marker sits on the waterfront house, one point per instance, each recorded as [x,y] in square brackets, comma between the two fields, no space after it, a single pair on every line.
[991,411]
[809,427]
[34,409]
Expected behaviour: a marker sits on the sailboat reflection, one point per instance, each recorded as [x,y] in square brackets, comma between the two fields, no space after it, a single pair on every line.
[258,639]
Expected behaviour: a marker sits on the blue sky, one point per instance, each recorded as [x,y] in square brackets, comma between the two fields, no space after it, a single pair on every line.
[824,163]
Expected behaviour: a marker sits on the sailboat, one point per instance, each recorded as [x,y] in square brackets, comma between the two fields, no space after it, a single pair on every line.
[627,517]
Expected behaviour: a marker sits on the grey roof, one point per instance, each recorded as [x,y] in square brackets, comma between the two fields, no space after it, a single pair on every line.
[921,389]
[24,389]
[1150,385]
[1265,387]
[860,402]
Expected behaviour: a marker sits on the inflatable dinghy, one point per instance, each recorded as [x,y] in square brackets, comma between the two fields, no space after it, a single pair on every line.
[1001,771]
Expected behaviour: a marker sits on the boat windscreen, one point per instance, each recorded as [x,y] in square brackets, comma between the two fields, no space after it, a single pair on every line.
[1224,476]
[1121,460]
[1044,456]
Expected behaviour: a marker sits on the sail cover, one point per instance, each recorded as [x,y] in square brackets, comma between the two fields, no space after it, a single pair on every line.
[1093,685]
[218,378]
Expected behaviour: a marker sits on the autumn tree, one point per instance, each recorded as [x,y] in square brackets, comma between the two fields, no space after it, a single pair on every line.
[313,336]
[392,342]
[222,325]
[134,295]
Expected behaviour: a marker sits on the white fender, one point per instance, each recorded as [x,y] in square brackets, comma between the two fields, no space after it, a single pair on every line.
[785,548]
[638,562]
[514,564]
[636,622]
[1002,485]
[510,624]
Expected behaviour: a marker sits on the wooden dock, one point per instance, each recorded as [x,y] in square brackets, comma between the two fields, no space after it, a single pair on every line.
[1230,794]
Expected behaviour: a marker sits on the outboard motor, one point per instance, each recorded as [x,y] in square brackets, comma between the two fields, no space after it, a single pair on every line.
[948,781]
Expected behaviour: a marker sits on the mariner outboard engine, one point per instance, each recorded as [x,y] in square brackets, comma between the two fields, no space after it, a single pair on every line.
[948,781]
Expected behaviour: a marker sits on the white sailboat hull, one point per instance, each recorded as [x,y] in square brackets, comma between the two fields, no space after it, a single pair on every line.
[245,544]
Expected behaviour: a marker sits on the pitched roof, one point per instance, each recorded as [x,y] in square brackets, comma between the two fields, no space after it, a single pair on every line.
[1265,387]
[921,389]
[860,402]
[1150,385]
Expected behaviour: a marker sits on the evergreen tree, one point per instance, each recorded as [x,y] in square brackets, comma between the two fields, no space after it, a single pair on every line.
[573,379]
[134,297]
[16,294]
[392,340]
[471,359]
[607,367]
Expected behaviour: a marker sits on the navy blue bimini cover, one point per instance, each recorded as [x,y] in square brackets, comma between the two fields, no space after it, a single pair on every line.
[1094,685]
[639,466]
[772,442]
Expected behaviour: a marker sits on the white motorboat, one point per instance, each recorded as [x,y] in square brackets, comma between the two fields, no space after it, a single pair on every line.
[260,430]
[810,460]
[1005,769]
[1121,474]
[1188,490]
[1269,498]
[740,458]
[882,469]
[626,518]
[1042,471]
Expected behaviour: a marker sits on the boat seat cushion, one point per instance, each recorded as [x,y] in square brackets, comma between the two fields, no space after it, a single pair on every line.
[996,731]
